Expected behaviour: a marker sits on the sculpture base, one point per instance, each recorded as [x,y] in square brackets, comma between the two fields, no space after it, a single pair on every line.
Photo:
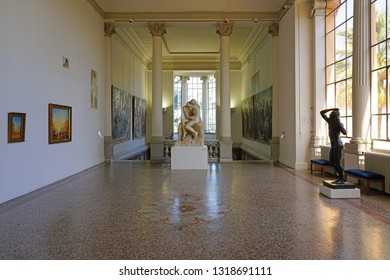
[189,158]
[346,190]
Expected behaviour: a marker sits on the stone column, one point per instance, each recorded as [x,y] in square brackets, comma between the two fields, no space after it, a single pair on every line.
[318,137]
[224,30]
[360,84]
[275,142]
[157,30]
[109,30]
[205,101]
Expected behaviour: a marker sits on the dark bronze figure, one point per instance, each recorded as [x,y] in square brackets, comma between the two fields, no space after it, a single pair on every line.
[335,128]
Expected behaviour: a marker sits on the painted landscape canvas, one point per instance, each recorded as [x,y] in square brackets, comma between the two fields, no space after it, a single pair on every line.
[247,118]
[139,118]
[121,115]
[60,123]
[16,127]
[262,105]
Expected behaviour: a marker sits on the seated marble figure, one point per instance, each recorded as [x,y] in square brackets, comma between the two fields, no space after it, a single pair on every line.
[190,129]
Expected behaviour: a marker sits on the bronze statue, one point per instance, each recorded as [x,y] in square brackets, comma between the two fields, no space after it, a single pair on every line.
[335,128]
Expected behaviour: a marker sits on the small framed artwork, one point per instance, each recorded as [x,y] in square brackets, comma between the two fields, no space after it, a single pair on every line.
[94,90]
[16,127]
[60,123]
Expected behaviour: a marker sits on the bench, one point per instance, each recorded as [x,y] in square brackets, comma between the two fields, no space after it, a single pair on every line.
[322,163]
[366,177]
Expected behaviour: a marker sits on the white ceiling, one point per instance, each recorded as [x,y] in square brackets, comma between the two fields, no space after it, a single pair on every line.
[191,24]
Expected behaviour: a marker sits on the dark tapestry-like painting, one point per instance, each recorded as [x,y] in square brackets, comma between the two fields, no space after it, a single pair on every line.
[121,115]
[262,105]
[139,119]
[247,118]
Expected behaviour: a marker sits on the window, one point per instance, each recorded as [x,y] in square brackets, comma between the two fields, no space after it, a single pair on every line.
[200,87]
[380,64]
[339,36]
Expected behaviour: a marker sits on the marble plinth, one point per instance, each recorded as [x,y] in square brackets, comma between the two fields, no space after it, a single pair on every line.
[189,157]
[346,190]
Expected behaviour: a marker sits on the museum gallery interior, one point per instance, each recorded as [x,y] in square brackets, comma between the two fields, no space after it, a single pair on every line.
[192,129]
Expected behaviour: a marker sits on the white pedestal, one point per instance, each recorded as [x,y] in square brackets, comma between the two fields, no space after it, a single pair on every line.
[187,157]
[348,192]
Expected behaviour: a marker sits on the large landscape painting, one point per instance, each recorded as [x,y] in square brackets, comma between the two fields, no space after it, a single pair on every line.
[247,118]
[262,106]
[121,115]
[139,118]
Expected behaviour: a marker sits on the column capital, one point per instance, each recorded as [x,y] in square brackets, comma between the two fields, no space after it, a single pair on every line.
[273,29]
[184,78]
[318,7]
[224,28]
[157,28]
[109,29]
[204,78]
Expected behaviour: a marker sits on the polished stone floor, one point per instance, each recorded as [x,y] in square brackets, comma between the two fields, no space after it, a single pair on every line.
[240,210]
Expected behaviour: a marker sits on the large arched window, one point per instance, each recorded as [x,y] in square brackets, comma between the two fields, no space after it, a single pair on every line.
[339,31]
[202,88]
[380,73]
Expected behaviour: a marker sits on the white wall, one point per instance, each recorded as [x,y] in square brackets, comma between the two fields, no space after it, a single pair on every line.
[35,35]
[287,86]
[167,86]
[295,85]
[235,97]
[128,74]
[261,61]
[304,85]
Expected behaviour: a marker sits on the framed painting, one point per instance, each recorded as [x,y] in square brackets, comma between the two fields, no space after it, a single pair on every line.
[139,117]
[247,118]
[94,90]
[262,105]
[60,123]
[16,127]
[121,115]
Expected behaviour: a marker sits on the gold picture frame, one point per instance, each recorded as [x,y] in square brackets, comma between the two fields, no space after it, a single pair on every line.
[60,123]
[16,127]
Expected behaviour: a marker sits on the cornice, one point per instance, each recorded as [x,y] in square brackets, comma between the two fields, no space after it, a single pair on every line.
[193,16]
[255,41]
[189,63]
[97,8]
[129,38]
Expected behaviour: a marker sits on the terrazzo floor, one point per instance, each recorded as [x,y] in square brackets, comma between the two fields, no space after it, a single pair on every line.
[239,210]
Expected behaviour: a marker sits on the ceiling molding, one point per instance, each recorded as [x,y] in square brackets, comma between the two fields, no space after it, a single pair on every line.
[252,46]
[185,53]
[178,64]
[97,8]
[193,16]
[133,43]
